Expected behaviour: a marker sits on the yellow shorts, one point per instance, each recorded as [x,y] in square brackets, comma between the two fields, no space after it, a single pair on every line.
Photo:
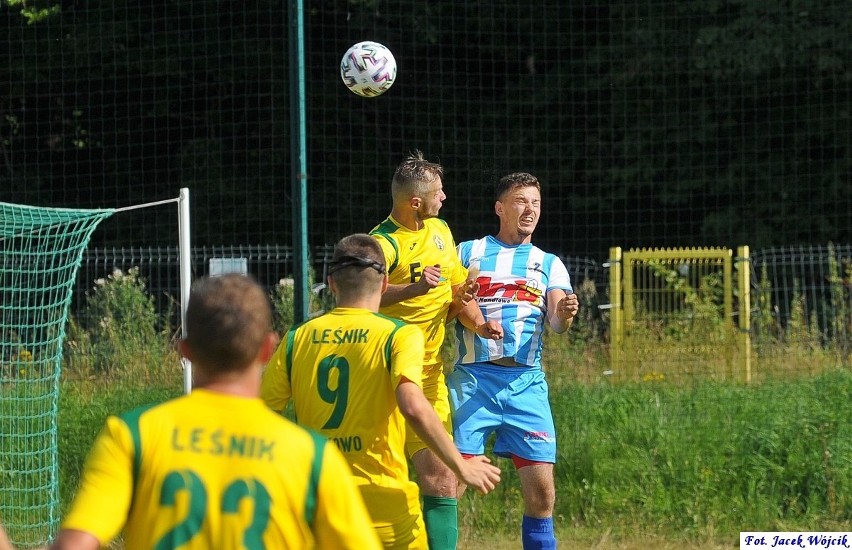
[397,516]
[435,389]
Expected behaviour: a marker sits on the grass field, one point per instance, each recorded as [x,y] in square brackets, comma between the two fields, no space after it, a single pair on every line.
[579,540]
[640,466]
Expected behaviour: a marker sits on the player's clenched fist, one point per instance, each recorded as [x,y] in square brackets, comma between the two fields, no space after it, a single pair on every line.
[430,278]
[568,307]
[490,330]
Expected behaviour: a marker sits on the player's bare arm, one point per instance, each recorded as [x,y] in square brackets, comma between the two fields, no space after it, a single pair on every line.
[76,540]
[561,316]
[5,544]
[478,473]
[430,279]
[464,293]
[469,315]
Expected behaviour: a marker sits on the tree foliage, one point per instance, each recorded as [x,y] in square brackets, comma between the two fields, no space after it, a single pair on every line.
[711,122]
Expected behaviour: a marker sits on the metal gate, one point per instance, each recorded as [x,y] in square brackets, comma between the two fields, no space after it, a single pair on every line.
[679,314]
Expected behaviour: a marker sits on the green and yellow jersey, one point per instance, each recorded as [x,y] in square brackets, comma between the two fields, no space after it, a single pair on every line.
[210,470]
[341,370]
[406,253]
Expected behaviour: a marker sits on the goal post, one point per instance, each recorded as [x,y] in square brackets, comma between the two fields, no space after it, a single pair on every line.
[185,277]
[41,250]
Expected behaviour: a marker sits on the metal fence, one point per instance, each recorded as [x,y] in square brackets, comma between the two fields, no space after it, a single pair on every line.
[804,273]
[819,277]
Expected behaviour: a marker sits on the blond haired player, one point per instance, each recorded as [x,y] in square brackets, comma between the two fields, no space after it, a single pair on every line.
[217,468]
[425,274]
[354,375]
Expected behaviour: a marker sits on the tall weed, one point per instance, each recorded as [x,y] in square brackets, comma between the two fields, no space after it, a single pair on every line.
[127,337]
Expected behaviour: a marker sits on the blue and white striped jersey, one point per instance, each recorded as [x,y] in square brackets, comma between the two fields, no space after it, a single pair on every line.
[513,285]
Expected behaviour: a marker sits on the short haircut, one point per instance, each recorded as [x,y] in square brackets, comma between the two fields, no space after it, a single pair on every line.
[357,265]
[413,176]
[227,319]
[514,181]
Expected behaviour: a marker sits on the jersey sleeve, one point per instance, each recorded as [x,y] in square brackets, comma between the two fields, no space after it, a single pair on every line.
[558,277]
[388,250]
[106,487]
[463,252]
[275,383]
[406,355]
[342,520]
[458,272]
[458,275]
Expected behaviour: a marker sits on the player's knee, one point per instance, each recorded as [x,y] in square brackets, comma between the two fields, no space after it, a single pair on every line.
[539,502]
[438,482]
[539,495]
[434,477]
[439,485]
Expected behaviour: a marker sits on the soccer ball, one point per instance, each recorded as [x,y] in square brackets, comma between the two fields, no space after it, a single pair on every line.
[368,69]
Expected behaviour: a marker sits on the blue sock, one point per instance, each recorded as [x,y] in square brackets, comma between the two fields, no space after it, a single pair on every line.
[537,534]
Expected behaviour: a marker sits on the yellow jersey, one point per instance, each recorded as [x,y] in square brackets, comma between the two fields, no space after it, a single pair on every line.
[210,470]
[341,370]
[406,253]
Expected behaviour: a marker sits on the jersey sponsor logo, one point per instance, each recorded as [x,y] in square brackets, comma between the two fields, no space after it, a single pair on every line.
[538,436]
[412,245]
[218,443]
[340,336]
[520,290]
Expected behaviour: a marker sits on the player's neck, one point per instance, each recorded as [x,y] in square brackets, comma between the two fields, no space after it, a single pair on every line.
[407,218]
[239,384]
[370,303]
[513,238]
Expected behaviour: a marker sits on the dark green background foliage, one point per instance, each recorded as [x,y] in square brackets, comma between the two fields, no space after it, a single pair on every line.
[709,122]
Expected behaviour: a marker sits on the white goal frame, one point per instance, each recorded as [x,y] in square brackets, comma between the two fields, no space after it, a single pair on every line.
[184,261]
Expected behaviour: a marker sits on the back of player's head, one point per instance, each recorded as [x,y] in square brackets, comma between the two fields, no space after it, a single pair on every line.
[514,181]
[414,176]
[357,265]
[227,319]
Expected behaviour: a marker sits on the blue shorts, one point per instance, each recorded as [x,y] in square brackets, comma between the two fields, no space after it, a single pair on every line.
[509,401]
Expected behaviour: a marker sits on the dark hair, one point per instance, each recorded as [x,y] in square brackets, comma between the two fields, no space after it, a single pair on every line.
[227,319]
[357,265]
[513,181]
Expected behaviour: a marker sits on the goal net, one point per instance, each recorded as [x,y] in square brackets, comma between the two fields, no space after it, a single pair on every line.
[40,253]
